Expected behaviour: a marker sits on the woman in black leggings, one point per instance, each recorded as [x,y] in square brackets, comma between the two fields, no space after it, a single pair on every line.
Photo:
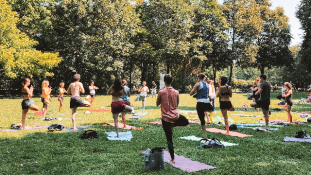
[168,98]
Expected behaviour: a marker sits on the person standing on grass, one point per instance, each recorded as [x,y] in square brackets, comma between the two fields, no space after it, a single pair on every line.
[117,104]
[224,93]
[288,94]
[203,102]
[125,98]
[60,97]
[45,99]
[75,89]
[143,94]
[92,89]
[210,118]
[212,98]
[254,88]
[154,89]
[168,99]
[27,103]
[264,101]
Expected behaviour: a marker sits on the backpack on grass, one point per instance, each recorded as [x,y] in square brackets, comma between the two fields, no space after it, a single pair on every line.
[89,134]
[56,127]
[154,159]
[214,143]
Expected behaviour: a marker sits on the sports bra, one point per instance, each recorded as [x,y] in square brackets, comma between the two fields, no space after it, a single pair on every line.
[224,94]
[288,98]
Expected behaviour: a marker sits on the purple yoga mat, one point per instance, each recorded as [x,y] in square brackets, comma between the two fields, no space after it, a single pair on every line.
[185,164]
[27,127]
[293,139]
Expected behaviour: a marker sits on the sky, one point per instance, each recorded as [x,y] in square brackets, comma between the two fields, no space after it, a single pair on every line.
[290,7]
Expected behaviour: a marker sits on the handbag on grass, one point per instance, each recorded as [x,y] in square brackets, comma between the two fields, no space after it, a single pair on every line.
[89,134]
[213,143]
[154,159]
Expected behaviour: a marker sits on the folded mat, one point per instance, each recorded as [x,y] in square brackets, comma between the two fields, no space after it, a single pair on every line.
[28,128]
[123,136]
[231,133]
[185,164]
[194,138]
[121,126]
[79,127]
[100,110]
[293,139]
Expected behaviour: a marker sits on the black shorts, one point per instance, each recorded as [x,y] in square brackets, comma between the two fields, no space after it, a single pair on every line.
[42,100]
[225,105]
[92,95]
[263,104]
[75,102]
[61,97]
[26,104]
[289,103]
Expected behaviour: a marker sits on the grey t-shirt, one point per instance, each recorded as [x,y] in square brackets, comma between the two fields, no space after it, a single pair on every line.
[265,94]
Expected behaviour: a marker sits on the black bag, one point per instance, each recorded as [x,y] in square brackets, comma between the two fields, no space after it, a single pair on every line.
[232,127]
[309,120]
[89,134]
[56,127]
[301,134]
[154,159]
[214,143]
[15,126]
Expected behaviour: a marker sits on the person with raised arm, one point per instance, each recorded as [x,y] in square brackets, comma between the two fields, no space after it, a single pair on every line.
[60,97]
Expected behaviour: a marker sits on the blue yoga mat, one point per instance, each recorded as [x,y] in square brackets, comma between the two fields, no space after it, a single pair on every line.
[123,136]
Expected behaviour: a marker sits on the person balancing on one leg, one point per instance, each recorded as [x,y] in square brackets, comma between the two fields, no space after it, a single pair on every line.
[264,101]
[60,97]
[143,94]
[75,89]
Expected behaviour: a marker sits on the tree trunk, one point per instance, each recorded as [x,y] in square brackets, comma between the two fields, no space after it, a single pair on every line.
[183,78]
[168,67]
[130,85]
[214,74]
[230,76]
[262,70]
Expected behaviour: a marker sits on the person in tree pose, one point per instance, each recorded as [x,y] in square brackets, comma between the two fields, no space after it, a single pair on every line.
[143,94]
[75,89]
[92,89]
[209,119]
[60,97]
[254,88]
[154,89]
[46,98]
[203,101]
[117,104]
[288,94]
[224,93]
[212,98]
[27,103]
[168,98]
[264,101]
[125,98]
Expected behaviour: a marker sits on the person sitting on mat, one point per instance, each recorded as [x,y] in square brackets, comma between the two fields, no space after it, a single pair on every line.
[92,89]
[203,102]
[264,101]
[27,103]
[224,93]
[117,104]
[143,94]
[75,89]
[46,98]
[60,97]
[288,100]
[168,99]
[125,98]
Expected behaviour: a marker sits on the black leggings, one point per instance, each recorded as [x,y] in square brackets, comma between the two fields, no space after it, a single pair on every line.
[168,129]
[201,109]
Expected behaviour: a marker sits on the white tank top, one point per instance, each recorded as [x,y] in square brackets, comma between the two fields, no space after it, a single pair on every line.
[144,93]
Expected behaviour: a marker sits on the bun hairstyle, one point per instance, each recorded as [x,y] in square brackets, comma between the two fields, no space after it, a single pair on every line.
[288,85]
[224,80]
[24,81]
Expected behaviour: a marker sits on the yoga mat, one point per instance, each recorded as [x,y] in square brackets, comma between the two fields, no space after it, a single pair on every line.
[141,114]
[27,127]
[307,112]
[194,138]
[135,117]
[293,139]
[217,119]
[123,136]
[231,133]
[277,120]
[156,122]
[188,112]
[79,127]
[185,164]
[39,114]
[256,125]
[244,115]
[100,110]
[191,121]
[255,128]
[121,126]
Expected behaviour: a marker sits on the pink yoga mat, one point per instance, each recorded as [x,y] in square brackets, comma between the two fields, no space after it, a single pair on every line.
[121,126]
[39,114]
[191,121]
[277,120]
[100,110]
[231,133]
[185,164]
[156,122]
[27,127]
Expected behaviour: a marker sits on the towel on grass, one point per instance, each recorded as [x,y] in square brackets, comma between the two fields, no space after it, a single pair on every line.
[293,139]
[231,133]
[123,136]
[79,127]
[194,138]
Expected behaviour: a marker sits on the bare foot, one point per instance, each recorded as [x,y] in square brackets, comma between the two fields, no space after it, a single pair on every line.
[171,161]
[227,133]
[75,129]
[124,126]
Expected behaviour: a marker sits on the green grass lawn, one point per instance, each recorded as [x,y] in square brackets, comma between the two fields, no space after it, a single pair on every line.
[62,152]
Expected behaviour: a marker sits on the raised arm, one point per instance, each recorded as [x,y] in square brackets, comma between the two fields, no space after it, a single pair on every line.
[195,88]
[109,90]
